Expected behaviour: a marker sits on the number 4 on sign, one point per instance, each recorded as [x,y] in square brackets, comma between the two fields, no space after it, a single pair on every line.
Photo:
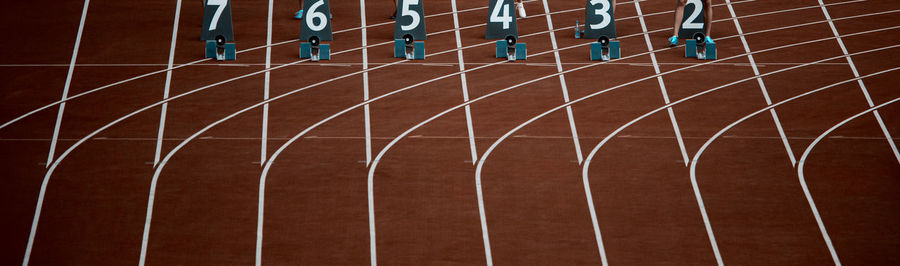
[501,20]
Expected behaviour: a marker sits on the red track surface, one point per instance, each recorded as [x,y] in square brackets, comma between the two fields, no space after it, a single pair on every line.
[426,207]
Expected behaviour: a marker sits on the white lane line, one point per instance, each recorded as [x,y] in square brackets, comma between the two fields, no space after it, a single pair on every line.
[265,135]
[368,127]
[59,115]
[662,85]
[562,82]
[862,85]
[65,94]
[465,88]
[162,114]
[762,85]
[265,119]
[802,178]
[365,65]
[162,119]
[693,178]
[771,107]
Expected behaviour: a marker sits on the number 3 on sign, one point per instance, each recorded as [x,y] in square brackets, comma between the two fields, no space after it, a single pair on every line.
[496,17]
[689,22]
[406,11]
[603,12]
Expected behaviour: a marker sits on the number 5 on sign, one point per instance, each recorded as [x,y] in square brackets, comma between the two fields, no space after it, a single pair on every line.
[410,20]
[316,20]
[217,20]
[501,20]
[600,19]
[692,21]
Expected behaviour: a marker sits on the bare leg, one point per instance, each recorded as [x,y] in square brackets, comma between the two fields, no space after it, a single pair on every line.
[707,17]
[679,15]
[614,7]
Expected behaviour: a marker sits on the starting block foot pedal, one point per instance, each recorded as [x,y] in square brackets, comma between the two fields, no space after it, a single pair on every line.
[604,49]
[314,50]
[409,49]
[220,50]
[697,47]
[511,50]
[578,31]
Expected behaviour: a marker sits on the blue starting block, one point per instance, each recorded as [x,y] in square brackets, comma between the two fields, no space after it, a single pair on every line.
[220,50]
[697,47]
[604,49]
[409,49]
[314,50]
[579,30]
[511,50]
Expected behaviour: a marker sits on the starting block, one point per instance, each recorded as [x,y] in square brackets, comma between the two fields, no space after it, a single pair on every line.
[579,30]
[604,49]
[314,50]
[511,50]
[697,47]
[409,48]
[221,50]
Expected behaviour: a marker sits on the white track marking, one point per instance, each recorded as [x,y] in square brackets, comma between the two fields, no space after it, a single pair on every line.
[562,83]
[762,85]
[265,119]
[693,179]
[59,115]
[162,114]
[862,86]
[771,107]
[81,141]
[662,85]
[65,95]
[365,65]
[465,88]
[802,178]
[265,135]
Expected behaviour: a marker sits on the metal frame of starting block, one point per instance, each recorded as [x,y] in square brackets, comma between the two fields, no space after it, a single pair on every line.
[604,49]
[409,49]
[511,50]
[221,50]
[314,50]
[698,48]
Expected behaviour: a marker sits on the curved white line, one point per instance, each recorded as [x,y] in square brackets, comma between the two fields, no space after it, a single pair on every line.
[693,179]
[770,107]
[802,178]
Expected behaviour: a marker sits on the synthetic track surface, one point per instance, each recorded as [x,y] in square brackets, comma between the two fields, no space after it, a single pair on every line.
[780,152]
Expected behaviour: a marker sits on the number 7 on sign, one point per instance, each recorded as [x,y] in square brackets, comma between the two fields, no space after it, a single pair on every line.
[218,14]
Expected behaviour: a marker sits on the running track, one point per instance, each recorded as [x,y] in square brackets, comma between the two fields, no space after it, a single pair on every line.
[780,152]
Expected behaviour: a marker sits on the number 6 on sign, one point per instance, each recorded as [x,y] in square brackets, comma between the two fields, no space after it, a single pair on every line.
[315,20]
[410,20]
[600,19]
[501,20]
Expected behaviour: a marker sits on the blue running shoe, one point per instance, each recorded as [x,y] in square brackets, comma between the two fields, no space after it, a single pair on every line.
[673,41]
[709,40]
[299,14]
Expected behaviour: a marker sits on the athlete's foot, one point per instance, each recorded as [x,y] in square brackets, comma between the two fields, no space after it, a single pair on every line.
[299,14]
[709,40]
[673,41]
[521,8]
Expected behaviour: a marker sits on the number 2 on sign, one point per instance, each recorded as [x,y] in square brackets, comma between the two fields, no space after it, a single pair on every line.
[496,17]
[603,12]
[215,18]
[405,11]
[313,14]
[689,23]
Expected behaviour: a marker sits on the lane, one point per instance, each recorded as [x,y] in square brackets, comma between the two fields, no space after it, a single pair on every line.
[38,40]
